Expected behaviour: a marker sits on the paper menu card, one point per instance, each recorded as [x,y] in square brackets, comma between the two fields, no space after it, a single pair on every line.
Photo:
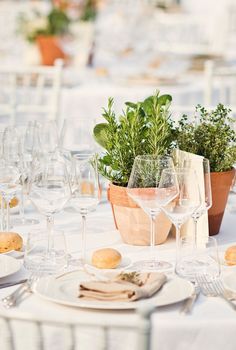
[194,161]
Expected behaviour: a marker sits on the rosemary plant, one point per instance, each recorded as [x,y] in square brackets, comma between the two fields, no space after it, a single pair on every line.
[143,128]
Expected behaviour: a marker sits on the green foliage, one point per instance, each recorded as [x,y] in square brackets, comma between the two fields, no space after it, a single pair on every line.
[55,23]
[58,22]
[212,137]
[143,128]
[89,11]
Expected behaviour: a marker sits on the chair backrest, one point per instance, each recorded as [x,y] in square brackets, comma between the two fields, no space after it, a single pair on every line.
[183,33]
[28,332]
[220,85]
[30,91]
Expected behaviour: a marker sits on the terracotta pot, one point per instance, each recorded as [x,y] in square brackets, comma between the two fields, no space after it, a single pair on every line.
[50,49]
[220,184]
[132,222]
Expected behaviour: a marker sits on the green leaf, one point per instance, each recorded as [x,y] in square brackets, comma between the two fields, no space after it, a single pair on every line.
[164,99]
[148,105]
[131,105]
[100,133]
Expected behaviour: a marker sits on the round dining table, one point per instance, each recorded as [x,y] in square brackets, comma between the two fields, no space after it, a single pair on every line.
[211,323]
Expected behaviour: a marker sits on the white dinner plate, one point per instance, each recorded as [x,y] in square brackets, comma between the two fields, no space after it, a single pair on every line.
[8,265]
[229,281]
[16,253]
[65,290]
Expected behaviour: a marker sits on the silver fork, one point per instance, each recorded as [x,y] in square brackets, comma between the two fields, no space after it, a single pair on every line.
[13,299]
[214,288]
[188,304]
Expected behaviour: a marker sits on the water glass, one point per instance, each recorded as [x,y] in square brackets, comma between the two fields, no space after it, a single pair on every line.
[85,193]
[42,258]
[50,190]
[145,188]
[202,259]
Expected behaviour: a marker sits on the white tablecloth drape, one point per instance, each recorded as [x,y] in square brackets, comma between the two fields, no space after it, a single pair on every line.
[211,326]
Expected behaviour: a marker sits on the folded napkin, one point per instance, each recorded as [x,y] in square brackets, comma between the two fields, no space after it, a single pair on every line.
[124,287]
[193,161]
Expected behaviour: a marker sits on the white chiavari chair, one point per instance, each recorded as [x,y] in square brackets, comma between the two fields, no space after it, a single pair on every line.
[26,331]
[30,91]
[220,85]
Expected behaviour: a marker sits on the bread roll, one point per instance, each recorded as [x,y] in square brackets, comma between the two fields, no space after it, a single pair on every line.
[10,241]
[106,258]
[13,203]
[230,255]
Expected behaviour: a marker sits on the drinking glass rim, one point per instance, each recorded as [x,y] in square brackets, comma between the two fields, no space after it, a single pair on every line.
[204,240]
[83,156]
[149,157]
[177,170]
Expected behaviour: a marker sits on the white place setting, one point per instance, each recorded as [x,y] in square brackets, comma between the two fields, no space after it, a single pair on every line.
[117,175]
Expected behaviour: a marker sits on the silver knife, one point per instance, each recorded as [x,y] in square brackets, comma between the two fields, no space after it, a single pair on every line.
[188,305]
[13,283]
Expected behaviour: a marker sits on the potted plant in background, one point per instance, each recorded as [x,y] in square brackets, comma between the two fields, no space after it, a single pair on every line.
[143,128]
[46,31]
[212,137]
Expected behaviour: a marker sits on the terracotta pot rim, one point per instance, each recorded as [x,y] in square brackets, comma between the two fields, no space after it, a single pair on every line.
[47,36]
[223,172]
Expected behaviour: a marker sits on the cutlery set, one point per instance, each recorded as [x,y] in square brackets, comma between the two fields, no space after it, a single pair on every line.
[209,288]
[18,295]
[215,288]
[13,283]
[204,285]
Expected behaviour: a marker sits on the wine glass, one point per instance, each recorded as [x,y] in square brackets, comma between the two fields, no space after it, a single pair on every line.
[188,200]
[145,189]
[85,193]
[188,267]
[203,172]
[26,162]
[77,136]
[48,137]
[49,191]
[11,145]
[9,186]
[11,159]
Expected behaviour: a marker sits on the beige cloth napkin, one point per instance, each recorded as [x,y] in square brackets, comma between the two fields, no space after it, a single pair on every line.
[119,289]
[194,161]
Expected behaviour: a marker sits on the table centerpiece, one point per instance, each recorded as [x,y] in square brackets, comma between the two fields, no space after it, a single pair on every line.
[213,137]
[144,128]
[46,31]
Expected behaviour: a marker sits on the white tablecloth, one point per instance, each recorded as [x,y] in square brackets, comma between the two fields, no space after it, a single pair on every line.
[89,98]
[211,326]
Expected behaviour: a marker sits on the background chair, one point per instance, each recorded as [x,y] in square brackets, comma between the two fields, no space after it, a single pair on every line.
[220,85]
[30,91]
[28,332]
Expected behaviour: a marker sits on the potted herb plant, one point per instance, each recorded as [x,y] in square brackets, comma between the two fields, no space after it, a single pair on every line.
[143,128]
[213,137]
[46,31]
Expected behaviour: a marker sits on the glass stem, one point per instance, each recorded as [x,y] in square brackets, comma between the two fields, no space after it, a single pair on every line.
[178,227]
[195,233]
[50,226]
[152,236]
[2,213]
[83,238]
[8,216]
[22,205]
